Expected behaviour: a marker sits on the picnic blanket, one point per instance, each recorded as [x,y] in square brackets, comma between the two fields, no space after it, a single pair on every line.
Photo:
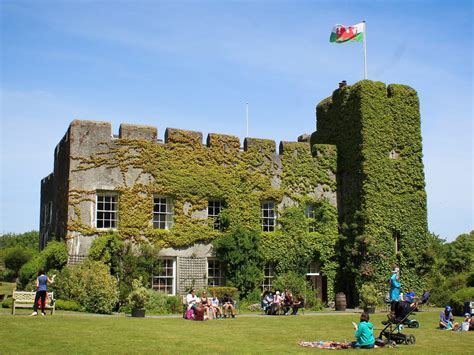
[325,344]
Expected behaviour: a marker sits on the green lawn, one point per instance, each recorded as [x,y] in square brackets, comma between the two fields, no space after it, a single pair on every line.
[83,333]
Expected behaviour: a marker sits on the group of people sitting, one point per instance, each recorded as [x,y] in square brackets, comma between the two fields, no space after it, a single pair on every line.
[204,308]
[446,321]
[274,303]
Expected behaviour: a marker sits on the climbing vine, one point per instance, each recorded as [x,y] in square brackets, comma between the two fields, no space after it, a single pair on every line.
[192,173]
[376,130]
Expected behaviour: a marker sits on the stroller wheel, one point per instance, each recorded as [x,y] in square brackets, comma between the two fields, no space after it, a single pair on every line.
[392,344]
[414,324]
[411,339]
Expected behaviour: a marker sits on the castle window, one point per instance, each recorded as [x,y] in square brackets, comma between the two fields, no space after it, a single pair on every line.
[107,210]
[268,275]
[47,213]
[215,273]
[311,215]
[162,212]
[396,241]
[165,280]
[214,208]
[268,217]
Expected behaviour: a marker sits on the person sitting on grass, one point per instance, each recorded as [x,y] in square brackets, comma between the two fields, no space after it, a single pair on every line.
[228,305]
[468,323]
[364,333]
[446,319]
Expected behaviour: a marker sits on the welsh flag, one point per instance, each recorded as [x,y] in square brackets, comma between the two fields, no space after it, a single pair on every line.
[342,33]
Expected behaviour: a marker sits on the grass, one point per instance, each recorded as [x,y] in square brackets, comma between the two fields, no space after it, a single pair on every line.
[87,334]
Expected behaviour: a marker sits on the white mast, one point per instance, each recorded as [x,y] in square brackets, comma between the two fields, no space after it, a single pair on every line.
[365,50]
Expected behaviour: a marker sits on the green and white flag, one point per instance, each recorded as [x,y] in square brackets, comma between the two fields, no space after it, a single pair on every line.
[342,33]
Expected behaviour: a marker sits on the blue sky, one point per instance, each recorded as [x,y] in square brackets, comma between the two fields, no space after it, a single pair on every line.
[194,65]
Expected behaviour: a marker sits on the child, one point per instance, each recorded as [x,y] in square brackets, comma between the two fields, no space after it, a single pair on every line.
[364,333]
[467,323]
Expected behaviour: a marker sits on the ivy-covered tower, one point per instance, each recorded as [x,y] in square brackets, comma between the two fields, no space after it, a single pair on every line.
[380,182]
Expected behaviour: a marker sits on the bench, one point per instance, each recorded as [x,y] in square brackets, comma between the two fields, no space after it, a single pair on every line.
[23,299]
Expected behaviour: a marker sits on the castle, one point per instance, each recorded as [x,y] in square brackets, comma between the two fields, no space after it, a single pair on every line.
[341,206]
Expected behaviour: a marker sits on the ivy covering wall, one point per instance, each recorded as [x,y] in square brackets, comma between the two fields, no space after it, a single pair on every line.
[192,173]
[380,179]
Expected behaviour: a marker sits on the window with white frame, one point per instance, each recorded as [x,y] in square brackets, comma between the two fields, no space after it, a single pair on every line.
[268,275]
[268,217]
[162,212]
[310,213]
[314,268]
[106,210]
[165,280]
[214,208]
[215,272]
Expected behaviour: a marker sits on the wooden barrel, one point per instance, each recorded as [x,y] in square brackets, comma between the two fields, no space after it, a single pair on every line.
[340,302]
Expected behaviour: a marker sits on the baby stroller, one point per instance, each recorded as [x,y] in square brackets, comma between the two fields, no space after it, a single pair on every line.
[404,308]
[392,330]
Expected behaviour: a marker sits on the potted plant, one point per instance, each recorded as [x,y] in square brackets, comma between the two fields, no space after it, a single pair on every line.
[137,298]
[368,297]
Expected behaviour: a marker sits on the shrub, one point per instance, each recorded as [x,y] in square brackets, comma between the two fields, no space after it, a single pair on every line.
[470,280]
[175,304]
[296,283]
[54,256]
[457,299]
[108,249]
[67,305]
[311,301]
[139,295]
[90,285]
[7,302]
[222,290]
[441,293]
[157,302]
[368,296]
[28,272]
[16,257]
[254,297]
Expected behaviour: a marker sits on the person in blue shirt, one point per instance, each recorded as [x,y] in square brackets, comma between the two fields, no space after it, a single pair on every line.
[41,288]
[394,288]
[446,319]
[364,333]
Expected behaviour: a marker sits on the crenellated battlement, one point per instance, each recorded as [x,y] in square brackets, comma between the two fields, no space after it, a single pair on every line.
[96,133]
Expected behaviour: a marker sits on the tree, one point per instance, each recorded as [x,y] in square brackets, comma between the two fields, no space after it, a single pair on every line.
[460,254]
[125,260]
[239,249]
[16,257]
[27,240]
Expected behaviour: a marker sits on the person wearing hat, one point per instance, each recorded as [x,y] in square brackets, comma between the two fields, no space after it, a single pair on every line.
[394,288]
[446,318]
[467,324]
[277,302]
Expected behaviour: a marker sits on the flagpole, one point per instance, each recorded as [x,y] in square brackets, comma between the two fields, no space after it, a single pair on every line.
[365,50]
[247,117]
